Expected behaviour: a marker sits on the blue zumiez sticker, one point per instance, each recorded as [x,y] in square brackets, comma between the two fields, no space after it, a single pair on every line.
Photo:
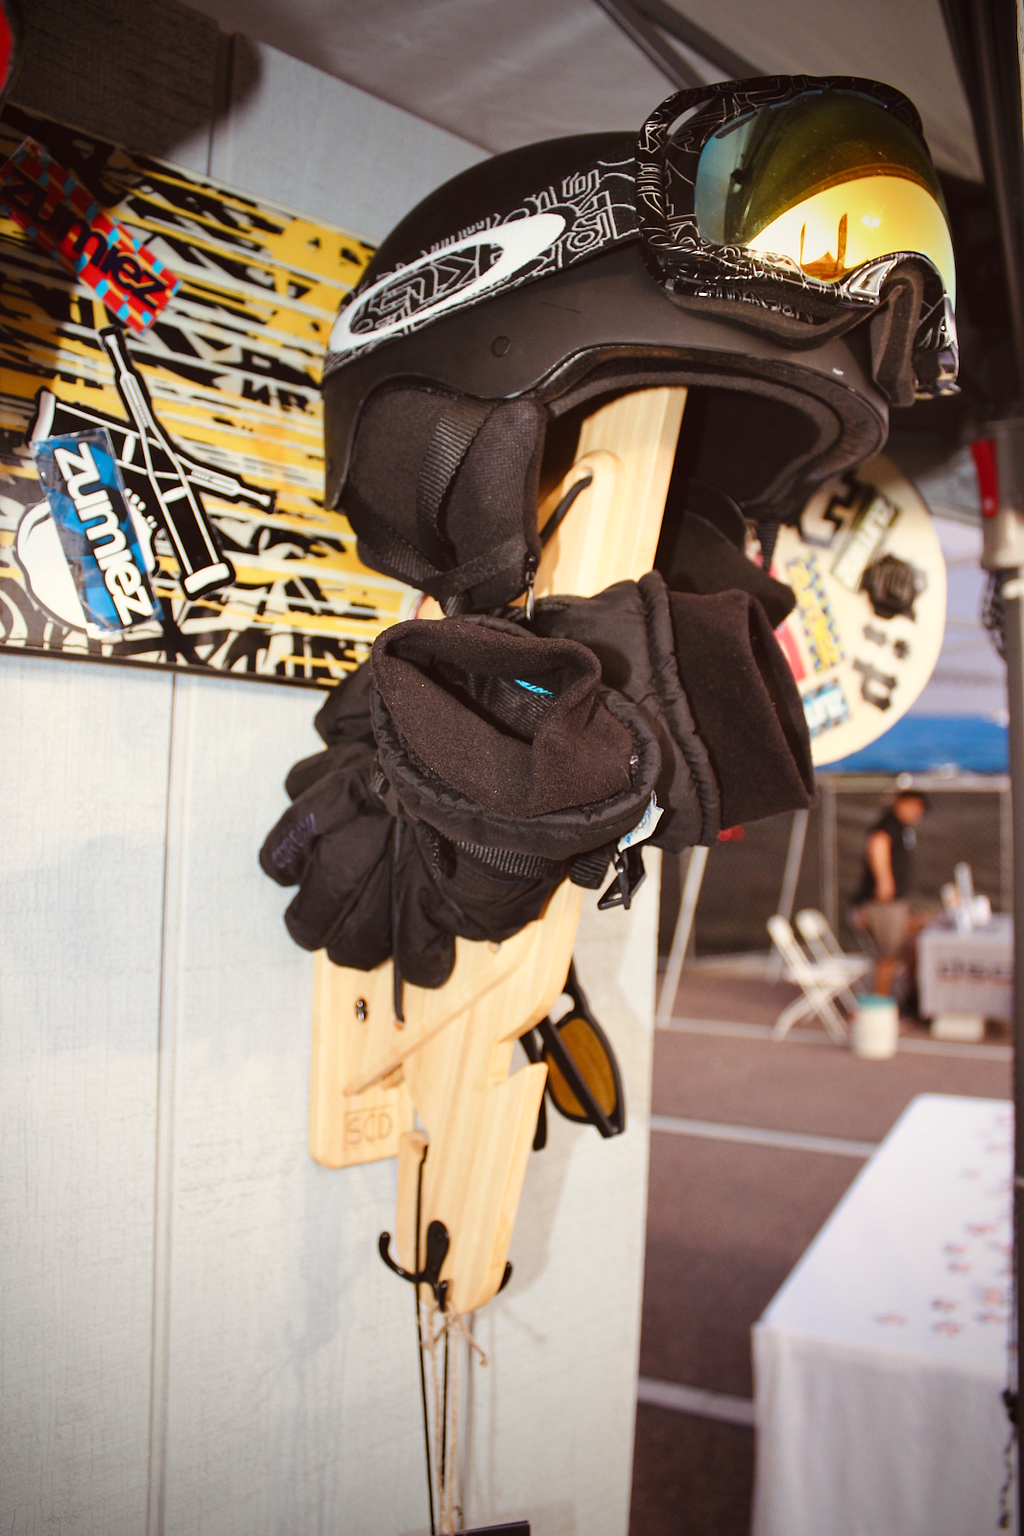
[89,506]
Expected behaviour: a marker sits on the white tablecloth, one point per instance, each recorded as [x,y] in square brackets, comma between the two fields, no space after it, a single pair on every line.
[879,1364]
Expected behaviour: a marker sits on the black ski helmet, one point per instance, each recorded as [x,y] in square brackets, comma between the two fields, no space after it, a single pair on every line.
[583,267]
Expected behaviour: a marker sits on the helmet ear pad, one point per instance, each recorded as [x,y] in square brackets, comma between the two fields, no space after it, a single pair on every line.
[456,518]
[893,331]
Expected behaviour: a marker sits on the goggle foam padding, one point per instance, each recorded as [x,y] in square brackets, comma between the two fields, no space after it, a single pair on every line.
[893,331]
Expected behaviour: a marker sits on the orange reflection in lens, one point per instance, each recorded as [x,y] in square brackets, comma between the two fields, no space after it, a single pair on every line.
[832,233]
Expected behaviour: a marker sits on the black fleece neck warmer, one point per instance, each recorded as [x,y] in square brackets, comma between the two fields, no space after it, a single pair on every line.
[709,673]
[704,560]
[629,630]
[745,704]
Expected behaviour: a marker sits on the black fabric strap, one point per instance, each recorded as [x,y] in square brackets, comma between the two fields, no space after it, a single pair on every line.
[409,565]
[589,869]
[769,532]
[522,866]
[397,553]
[452,438]
[481,568]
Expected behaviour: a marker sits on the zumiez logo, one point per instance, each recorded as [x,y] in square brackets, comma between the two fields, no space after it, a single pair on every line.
[98,516]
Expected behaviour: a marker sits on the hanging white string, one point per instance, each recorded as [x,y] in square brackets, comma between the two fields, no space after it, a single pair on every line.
[446,1330]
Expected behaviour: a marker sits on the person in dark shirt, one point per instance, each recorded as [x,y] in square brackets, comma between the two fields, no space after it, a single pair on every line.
[883,908]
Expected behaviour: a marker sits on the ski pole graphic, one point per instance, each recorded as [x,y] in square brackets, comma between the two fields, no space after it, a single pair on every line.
[203,567]
[56,416]
[226,486]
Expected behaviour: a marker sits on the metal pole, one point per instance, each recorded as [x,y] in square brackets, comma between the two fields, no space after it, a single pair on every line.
[1013,632]
[996,109]
[1003,551]
[681,937]
[1005,850]
[1002,173]
[650,41]
[791,874]
[829,877]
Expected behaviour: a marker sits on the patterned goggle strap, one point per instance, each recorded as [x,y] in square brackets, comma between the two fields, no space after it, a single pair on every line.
[553,228]
[809,197]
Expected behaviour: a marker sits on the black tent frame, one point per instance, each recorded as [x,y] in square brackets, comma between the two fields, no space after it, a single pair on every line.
[987,49]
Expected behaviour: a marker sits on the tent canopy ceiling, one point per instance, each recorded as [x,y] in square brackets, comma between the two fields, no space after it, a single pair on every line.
[501,74]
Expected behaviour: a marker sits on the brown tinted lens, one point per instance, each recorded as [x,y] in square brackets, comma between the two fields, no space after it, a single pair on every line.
[592,1063]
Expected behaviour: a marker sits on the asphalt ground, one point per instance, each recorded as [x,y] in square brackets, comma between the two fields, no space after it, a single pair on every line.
[732,1205]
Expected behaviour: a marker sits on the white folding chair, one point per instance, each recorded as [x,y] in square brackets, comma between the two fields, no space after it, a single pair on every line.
[824,947]
[819,981]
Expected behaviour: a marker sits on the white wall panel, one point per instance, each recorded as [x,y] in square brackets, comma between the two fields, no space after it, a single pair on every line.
[328,149]
[292,1359]
[198,1337]
[83,757]
[292,1387]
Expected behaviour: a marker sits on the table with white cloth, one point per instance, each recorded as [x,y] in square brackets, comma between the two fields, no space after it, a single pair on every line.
[966,972]
[879,1366]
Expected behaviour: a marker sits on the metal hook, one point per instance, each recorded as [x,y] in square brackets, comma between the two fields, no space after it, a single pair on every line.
[438,1243]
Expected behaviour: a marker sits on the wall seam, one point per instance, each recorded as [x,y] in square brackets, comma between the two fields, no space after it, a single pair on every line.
[167,1067]
[175,827]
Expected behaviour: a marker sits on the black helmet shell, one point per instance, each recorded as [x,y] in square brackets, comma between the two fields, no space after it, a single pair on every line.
[779,417]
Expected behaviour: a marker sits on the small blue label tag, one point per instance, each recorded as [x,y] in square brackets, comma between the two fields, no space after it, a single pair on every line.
[645,827]
[534,688]
[89,505]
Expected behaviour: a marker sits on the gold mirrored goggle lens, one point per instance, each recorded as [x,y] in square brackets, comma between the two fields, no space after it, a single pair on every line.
[832,233]
[828,181]
[591,1062]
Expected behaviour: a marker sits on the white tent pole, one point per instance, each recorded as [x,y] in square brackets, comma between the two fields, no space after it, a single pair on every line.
[829,853]
[791,875]
[681,937]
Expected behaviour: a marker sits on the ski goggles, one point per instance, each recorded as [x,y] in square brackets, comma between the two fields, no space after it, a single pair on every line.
[583,1076]
[811,201]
